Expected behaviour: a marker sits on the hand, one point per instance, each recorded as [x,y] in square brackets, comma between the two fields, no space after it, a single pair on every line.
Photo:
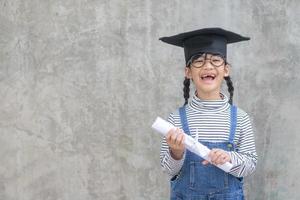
[217,157]
[175,140]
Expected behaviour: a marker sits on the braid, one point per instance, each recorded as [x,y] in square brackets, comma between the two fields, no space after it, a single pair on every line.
[230,88]
[186,90]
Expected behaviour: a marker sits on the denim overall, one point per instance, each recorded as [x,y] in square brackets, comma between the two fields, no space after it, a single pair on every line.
[196,181]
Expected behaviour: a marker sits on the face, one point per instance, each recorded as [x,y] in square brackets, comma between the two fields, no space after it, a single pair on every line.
[207,73]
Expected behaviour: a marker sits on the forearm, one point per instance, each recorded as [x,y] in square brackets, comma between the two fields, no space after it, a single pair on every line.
[170,165]
[244,164]
[244,159]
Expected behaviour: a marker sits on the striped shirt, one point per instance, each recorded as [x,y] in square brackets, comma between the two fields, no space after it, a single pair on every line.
[211,119]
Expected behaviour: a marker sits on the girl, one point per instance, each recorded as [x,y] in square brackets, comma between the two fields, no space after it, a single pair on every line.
[211,118]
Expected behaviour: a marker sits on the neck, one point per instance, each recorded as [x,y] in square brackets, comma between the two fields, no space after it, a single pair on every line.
[208,95]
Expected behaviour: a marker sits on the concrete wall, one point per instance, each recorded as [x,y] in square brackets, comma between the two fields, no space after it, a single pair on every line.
[81,81]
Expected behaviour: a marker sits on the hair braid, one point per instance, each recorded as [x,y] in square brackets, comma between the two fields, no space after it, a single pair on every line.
[230,88]
[186,90]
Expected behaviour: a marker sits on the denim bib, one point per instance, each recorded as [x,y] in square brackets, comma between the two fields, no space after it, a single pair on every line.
[196,181]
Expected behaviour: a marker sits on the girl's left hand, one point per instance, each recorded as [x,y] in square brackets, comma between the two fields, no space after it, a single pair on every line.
[217,157]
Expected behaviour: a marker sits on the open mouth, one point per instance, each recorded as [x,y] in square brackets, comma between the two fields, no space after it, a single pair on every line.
[208,77]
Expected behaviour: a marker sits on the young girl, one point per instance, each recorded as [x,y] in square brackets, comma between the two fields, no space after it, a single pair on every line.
[211,118]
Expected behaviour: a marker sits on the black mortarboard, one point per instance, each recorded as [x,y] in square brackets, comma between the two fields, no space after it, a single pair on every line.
[207,40]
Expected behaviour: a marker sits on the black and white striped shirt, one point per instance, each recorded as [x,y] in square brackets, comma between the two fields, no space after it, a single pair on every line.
[211,119]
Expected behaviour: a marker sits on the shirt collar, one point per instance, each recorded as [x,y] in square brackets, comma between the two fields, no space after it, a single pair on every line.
[209,105]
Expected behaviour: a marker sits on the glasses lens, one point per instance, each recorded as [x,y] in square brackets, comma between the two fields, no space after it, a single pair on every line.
[217,60]
[198,61]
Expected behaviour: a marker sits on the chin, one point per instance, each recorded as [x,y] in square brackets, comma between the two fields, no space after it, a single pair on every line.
[209,90]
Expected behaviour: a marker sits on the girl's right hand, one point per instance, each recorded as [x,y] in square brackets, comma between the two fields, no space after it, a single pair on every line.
[175,140]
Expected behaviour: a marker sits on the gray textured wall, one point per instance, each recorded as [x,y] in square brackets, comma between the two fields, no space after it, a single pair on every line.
[82,80]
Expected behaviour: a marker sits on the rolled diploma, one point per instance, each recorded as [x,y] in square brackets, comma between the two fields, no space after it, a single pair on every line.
[163,127]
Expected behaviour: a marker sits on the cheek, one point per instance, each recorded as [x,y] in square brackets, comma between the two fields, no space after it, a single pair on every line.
[196,77]
[195,72]
[223,73]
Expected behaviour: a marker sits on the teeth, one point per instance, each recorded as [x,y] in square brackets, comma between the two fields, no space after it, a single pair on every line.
[208,75]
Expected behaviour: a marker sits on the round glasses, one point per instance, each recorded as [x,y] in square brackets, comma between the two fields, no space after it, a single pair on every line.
[199,61]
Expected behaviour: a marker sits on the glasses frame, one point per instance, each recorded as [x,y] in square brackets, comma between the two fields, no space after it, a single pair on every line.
[195,57]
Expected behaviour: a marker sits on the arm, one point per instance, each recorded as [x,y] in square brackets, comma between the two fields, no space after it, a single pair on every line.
[244,159]
[171,161]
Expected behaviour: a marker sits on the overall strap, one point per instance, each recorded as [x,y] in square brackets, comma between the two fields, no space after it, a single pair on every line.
[183,119]
[233,121]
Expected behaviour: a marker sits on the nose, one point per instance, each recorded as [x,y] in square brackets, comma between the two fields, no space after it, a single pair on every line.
[207,65]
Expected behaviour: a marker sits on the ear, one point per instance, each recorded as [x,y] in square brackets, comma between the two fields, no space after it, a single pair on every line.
[188,73]
[226,70]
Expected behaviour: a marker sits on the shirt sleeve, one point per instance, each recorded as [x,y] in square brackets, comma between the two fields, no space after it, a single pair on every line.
[169,164]
[244,159]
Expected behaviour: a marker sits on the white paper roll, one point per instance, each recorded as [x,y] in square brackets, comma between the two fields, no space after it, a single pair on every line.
[163,127]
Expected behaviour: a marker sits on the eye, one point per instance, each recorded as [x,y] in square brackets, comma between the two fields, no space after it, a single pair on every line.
[199,61]
[217,60]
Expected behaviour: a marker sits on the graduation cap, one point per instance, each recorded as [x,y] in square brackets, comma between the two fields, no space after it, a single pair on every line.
[207,40]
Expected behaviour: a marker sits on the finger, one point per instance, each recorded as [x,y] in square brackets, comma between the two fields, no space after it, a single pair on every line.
[174,137]
[212,155]
[226,158]
[177,134]
[220,159]
[180,139]
[171,137]
[205,162]
[168,140]
[169,134]
[181,133]
[218,153]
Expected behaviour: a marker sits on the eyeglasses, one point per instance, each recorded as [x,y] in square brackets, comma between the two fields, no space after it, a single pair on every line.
[198,61]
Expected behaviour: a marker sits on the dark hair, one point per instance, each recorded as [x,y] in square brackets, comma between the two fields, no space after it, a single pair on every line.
[230,88]
[186,86]
[186,90]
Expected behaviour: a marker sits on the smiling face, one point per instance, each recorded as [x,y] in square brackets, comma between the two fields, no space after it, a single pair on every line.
[207,73]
